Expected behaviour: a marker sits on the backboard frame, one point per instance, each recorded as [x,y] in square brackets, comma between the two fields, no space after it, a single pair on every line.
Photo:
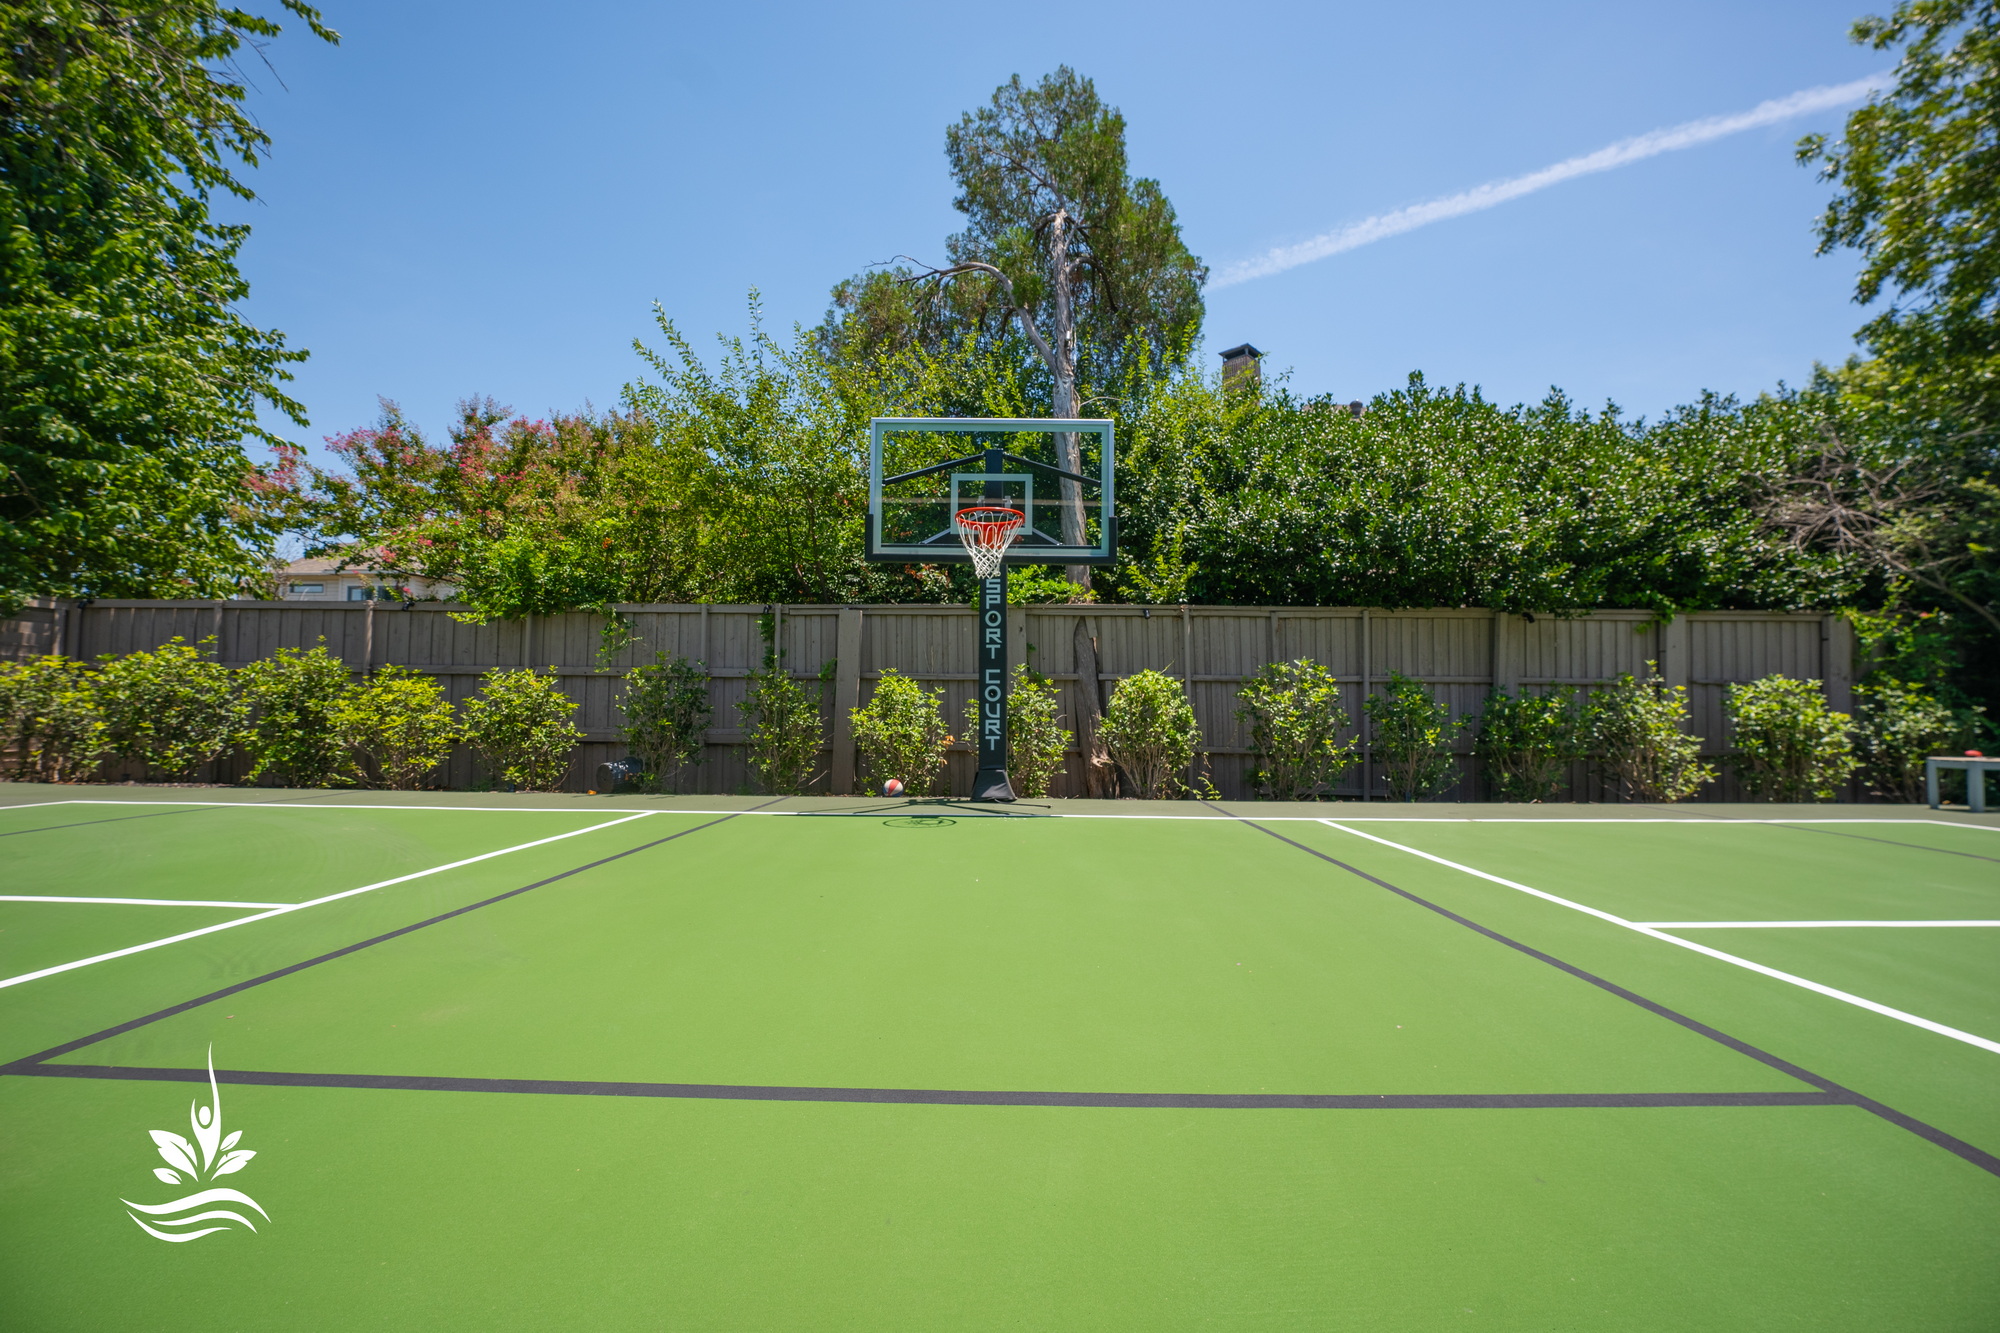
[944,547]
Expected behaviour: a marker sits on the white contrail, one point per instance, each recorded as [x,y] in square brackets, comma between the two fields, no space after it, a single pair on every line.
[1650,144]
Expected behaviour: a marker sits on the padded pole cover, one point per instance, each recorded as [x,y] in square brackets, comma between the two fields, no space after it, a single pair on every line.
[991,691]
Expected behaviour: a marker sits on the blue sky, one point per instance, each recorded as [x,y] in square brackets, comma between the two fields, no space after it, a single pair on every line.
[487,198]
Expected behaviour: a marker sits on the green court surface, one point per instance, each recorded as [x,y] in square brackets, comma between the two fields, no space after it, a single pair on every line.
[534,1062]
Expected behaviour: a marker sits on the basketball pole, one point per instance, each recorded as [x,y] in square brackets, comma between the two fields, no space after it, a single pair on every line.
[991,783]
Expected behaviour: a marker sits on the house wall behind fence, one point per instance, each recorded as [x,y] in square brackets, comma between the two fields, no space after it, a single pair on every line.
[1461,654]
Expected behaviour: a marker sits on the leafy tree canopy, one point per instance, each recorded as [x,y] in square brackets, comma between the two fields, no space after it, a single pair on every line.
[127,379]
[1135,287]
[1918,168]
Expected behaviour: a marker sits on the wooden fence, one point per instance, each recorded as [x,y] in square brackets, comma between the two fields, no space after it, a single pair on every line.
[1462,654]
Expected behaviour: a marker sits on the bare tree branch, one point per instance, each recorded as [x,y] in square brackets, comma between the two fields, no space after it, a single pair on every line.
[1014,306]
[1890,516]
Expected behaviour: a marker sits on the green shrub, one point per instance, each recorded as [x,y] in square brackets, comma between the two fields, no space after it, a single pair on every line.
[1639,730]
[1037,742]
[1295,718]
[399,722]
[1528,741]
[48,708]
[292,696]
[170,710]
[523,726]
[782,722]
[1788,745]
[1151,732]
[1901,725]
[1411,737]
[667,713]
[901,733]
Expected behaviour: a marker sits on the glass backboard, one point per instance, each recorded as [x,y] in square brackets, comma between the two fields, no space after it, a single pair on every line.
[922,470]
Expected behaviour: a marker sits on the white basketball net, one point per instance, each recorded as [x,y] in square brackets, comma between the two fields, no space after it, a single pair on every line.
[987,532]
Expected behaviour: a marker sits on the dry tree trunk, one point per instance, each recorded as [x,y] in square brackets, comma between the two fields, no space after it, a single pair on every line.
[1062,366]
[1100,777]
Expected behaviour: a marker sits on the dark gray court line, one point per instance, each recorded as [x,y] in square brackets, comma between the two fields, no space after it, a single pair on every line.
[194,810]
[1842,833]
[1979,1157]
[1891,842]
[1229,1101]
[26,1064]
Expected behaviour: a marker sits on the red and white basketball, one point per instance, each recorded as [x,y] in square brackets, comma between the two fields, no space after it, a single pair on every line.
[892,788]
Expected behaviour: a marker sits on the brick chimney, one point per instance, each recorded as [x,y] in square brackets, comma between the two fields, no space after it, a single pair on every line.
[1241,361]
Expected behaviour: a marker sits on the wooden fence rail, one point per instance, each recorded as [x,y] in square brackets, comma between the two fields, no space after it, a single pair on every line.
[1462,654]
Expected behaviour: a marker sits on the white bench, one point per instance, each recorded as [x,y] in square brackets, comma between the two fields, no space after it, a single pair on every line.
[1975,778]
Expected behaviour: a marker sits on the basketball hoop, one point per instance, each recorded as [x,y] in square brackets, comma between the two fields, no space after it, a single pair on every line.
[987,533]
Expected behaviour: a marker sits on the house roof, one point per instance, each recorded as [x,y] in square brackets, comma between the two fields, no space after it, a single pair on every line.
[326,565]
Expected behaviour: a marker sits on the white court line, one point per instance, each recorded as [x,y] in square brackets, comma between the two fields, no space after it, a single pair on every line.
[1716,821]
[1650,932]
[1799,925]
[133,902]
[295,907]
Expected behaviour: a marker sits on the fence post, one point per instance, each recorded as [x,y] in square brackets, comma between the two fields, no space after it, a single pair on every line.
[1836,661]
[846,696]
[1367,732]
[1675,651]
[1506,655]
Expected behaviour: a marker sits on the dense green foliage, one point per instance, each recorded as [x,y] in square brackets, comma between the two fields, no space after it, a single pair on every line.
[1897,727]
[1527,742]
[1295,719]
[399,723]
[1410,737]
[523,726]
[1151,732]
[1438,497]
[170,710]
[776,435]
[747,482]
[1638,729]
[292,697]
[666,712]
[1037,742]
[901,733]
[1787,745]
[50,719]
[782,730]
[127,378]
